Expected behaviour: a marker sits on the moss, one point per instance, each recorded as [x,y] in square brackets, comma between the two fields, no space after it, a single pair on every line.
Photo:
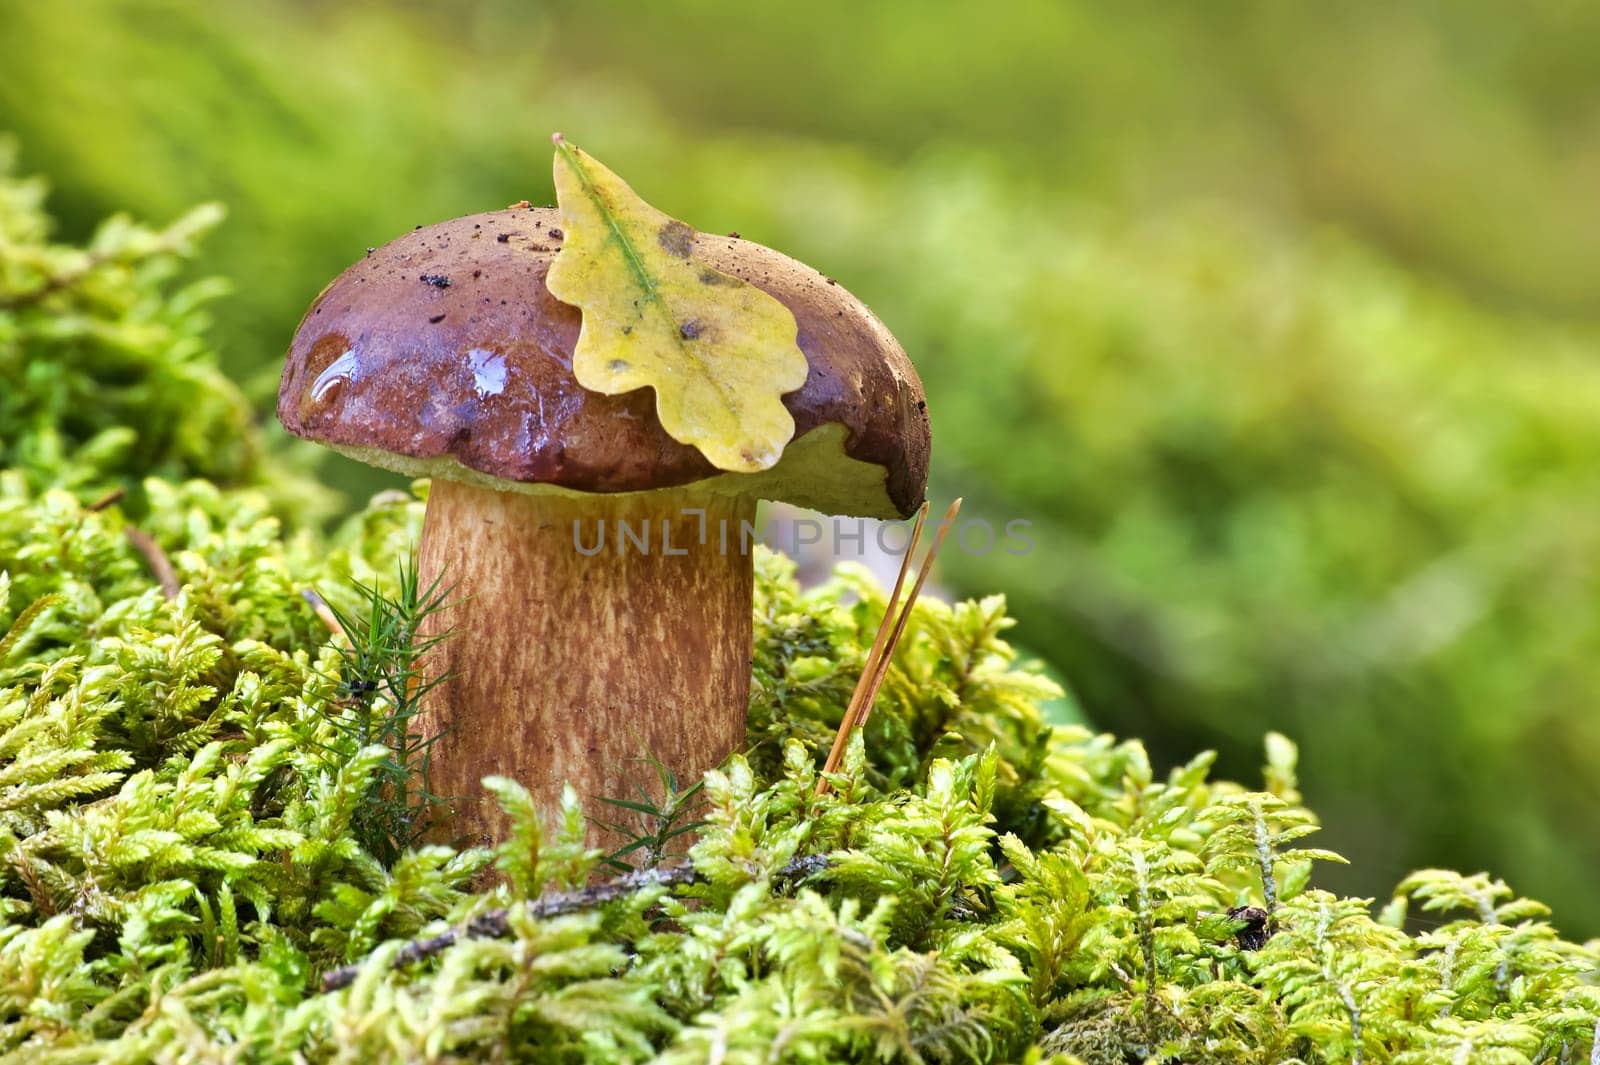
[105,373]
[182,850]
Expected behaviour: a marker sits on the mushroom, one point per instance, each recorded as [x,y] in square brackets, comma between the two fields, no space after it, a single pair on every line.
[600,571]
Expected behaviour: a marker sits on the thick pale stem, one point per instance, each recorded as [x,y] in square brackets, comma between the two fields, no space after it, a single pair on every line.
[586,634]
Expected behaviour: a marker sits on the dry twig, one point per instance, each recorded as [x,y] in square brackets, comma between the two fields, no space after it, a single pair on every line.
[496,923]
[112,497]
[160,565]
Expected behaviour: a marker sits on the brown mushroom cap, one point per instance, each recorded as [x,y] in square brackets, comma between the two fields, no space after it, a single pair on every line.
[443,354]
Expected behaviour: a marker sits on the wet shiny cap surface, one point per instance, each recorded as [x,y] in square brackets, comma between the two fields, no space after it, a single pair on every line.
[443,353]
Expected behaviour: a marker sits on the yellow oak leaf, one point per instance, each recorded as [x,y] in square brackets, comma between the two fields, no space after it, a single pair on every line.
[720,353]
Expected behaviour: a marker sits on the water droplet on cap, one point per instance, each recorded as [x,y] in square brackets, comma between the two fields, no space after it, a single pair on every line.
[488,371]
[330,382]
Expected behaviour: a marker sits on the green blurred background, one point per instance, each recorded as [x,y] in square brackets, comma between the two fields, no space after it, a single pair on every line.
[1281,321]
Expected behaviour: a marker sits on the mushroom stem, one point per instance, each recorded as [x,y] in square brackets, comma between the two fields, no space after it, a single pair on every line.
[587,633]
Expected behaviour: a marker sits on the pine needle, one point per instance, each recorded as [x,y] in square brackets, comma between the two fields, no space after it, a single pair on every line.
[884,626]
[864,711]
[890,630]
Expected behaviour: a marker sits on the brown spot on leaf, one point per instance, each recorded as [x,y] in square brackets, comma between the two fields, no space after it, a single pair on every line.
[709,276]
[677,238]
[690,329]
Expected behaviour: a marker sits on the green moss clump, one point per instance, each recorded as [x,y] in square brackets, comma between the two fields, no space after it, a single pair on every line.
[105,373]
[182,850]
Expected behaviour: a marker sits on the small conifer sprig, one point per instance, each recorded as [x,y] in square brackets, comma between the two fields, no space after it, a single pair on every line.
[381,688]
